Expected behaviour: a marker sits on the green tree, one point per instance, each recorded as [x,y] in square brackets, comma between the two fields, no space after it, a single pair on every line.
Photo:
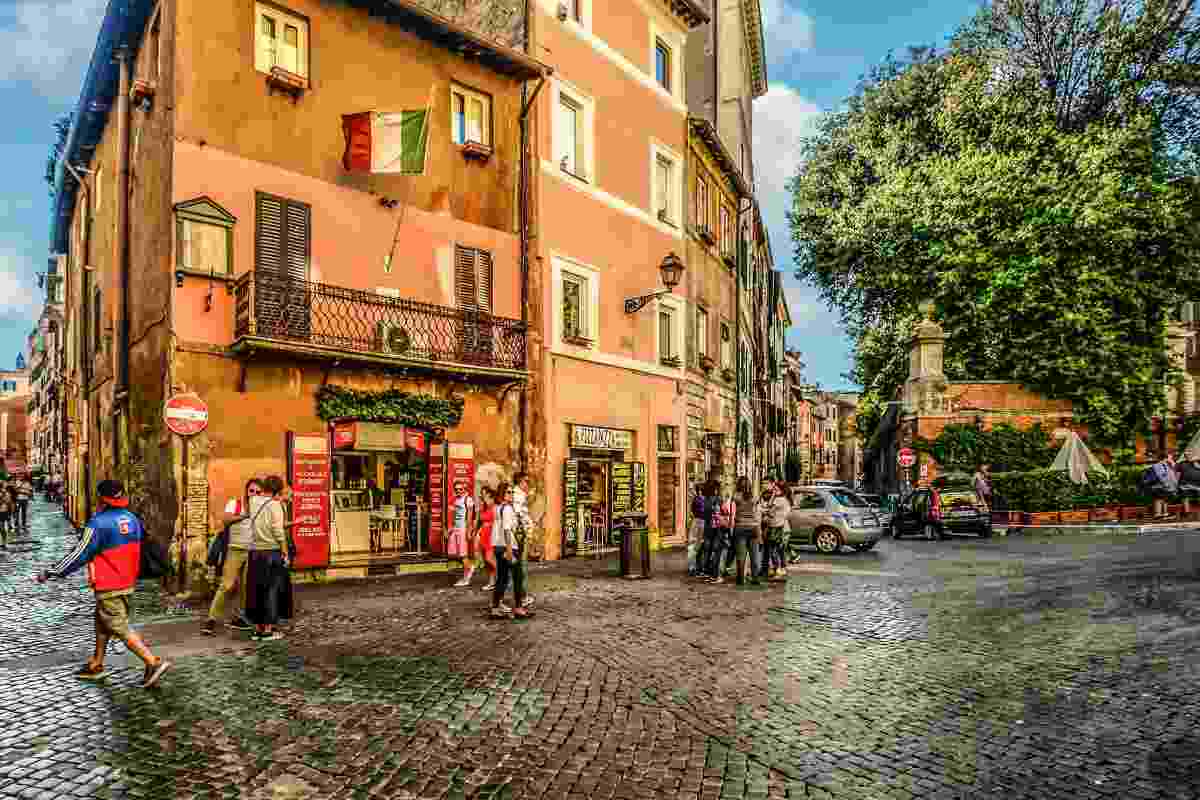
[1052,256]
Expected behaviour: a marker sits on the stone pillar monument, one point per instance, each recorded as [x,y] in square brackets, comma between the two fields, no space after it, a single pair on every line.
[924,391]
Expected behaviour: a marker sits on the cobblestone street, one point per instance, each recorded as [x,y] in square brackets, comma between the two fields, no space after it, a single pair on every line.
[1009,667]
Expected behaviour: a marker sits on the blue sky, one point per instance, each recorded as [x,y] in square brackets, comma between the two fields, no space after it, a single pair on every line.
[816,51]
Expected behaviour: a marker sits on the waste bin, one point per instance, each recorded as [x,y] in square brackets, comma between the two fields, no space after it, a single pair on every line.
[635,546]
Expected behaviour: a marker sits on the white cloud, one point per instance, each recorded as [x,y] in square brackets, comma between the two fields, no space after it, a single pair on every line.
[786,29]
[49,45]
[782,118]
[18,293]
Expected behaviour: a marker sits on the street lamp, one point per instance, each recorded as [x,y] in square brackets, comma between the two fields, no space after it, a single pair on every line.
[671,270]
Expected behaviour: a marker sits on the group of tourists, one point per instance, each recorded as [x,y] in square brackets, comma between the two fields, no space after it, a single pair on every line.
[494,531]
[252,555]
[15,494]
[1168,479]
[730,529]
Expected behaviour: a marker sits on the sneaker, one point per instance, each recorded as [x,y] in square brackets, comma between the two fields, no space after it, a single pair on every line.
[210,628]
[463,582]
[522,613]
[155,672]
[90,672]
[501,613]
[490,587]
[528,602]
[240,624]
[504,608]
[717,580]
[266,637]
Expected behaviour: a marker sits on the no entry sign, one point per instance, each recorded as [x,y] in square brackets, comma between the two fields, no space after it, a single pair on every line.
[907,457]
[186,414]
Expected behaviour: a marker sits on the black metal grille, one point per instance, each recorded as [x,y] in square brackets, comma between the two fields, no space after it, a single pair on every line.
[281,309]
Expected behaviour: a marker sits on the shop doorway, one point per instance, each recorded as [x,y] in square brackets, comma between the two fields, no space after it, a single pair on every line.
[380,485]
[668,479]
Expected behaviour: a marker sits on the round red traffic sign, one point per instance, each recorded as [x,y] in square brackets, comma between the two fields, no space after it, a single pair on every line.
[186,414]
[907,457]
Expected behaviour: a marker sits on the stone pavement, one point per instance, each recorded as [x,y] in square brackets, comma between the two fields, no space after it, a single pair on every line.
[1018,667]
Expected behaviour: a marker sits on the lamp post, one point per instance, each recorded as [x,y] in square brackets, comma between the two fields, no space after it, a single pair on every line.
[671,270]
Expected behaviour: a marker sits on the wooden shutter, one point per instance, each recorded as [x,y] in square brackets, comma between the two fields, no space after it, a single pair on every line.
[297,240]
[268,236]
[473,294]
[483,264]
[283,300]
[466,292]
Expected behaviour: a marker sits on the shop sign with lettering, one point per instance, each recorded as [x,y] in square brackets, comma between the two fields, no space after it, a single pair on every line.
[378,436]
[308,473]
[600,438]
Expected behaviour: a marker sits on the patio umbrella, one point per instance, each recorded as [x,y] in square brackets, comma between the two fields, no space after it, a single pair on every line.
[1076,460]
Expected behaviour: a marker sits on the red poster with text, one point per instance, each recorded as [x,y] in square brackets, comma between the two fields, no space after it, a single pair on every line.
[437,499]
[308,474]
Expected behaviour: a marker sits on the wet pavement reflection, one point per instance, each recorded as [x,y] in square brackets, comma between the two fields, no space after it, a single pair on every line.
[1010,667]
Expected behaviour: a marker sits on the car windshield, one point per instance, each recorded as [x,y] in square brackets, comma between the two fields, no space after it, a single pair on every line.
[849,499]
[952,499]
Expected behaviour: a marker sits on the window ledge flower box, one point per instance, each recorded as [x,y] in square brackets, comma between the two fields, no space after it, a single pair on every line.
[578,341]
[288,82]
[671,361]
[707,363]
[477,150]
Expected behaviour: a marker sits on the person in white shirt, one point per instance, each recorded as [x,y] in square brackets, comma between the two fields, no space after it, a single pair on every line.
[521,495]
[233,573]
[507,543]
[462,531]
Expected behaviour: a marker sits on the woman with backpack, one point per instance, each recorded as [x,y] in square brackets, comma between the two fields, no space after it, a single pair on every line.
[507,546]
[721,533]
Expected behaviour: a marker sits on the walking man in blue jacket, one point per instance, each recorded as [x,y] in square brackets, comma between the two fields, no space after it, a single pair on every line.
[111,549]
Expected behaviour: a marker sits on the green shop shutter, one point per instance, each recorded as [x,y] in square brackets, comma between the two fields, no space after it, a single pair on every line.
[413,138]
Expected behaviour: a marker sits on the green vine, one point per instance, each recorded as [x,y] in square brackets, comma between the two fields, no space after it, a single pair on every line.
[1006,448]
[391,405]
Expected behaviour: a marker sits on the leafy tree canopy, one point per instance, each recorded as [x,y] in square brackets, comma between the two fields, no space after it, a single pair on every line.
[1052,247]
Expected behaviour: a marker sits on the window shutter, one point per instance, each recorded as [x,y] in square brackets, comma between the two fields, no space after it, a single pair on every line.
[357,130]
[414,139]
[484,280]
[297,242]
[465,292]
[268,236]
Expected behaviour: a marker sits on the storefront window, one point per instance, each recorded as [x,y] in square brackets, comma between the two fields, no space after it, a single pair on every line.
[380,491]
[668,438]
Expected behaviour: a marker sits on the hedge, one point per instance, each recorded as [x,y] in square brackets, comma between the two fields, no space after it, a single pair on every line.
[1052,490]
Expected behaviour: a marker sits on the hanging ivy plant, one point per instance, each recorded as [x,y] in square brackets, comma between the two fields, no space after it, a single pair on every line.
[391,405]
[1006,448]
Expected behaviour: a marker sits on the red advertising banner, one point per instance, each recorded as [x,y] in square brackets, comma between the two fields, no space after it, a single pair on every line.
[308,474]
[415,441]
[437,499]
[343,436]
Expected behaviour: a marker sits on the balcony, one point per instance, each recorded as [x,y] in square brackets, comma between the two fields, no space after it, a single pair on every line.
[323,321]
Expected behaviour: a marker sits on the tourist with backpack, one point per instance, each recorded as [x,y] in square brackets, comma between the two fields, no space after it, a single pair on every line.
[747,531]
[695,539]
[229,557]
[1162,481]
[721,538]
[508,544]
[111,548]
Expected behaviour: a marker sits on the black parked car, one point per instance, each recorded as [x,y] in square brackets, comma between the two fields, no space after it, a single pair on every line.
[932,513]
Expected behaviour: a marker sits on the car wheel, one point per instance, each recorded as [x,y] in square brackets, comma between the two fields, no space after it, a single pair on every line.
[932,533]
[828,541]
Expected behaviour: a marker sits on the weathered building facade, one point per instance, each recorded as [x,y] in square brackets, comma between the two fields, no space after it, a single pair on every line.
[322,241]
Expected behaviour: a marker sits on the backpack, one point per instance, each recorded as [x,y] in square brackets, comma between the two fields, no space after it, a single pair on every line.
[723,516]
[154,561]
[1150,477]
[698,506]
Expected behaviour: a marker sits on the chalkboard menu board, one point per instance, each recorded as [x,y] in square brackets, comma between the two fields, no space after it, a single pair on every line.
[571,506]
[628,488]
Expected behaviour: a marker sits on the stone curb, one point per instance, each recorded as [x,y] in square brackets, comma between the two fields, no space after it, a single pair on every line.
[1100,530]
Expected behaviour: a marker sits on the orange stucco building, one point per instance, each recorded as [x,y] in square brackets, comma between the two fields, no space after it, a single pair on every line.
[610,207]
[264,204]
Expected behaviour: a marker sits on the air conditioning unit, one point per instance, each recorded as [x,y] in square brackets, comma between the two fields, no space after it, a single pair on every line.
[392,338]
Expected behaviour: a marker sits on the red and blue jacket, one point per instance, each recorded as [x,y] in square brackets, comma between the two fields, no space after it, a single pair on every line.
[111,546]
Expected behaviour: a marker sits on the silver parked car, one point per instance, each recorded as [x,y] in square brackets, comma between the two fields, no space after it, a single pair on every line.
[830,518]
[876,502]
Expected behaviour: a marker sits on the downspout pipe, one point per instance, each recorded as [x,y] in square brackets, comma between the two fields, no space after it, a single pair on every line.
[120,305]
[523,181]
[737,327]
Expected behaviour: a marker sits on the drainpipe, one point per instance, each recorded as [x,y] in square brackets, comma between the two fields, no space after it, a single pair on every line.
[120,301]
[523,221]
[85,358]
[737,337]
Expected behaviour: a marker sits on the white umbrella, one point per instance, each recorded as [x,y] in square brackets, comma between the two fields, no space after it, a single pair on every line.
[1076,460]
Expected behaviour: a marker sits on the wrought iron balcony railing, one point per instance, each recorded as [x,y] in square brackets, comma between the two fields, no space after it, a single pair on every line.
[302,312]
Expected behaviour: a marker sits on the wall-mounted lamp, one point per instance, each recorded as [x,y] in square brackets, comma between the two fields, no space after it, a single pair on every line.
[671,270]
